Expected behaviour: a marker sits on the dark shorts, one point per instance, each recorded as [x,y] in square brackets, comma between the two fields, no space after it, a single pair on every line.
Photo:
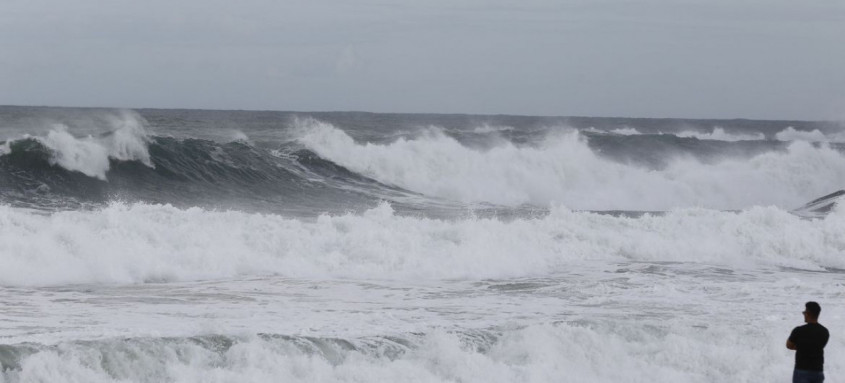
[804,376]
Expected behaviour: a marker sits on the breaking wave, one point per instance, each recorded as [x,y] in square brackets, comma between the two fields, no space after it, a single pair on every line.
[91,155]
[542,353]
[564,169]
[318,167]
[140,242]
[719,134]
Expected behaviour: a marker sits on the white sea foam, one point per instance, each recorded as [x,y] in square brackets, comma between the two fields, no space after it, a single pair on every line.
[564,170]
[136,243]
[626,131]
[650,321]
[541,353]
[491,129]
[239,136]
[620,131]
[126,141]
[791,134]
[719,134]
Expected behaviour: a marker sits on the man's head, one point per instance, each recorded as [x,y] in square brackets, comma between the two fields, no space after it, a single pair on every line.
[811,312]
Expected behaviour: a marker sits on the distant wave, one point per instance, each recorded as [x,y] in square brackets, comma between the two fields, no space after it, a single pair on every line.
[719,134]
[791,134]
[626,131]
[788,134]
[491,129]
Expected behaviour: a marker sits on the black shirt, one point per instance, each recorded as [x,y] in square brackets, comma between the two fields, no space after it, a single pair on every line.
[809,340]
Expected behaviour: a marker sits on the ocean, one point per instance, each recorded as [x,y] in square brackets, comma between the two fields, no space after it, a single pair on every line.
[159,245]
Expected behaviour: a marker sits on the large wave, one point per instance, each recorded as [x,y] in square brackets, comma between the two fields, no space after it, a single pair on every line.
[91,155]
[64,170]
[563,169]
[137,243]
[417,169]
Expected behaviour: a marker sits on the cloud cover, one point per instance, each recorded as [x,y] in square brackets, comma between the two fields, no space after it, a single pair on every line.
[660,58]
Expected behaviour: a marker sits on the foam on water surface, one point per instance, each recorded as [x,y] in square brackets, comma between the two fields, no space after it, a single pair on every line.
[650,321]
[137,243]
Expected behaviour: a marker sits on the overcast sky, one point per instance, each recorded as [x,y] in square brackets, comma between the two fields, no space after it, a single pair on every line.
[771,59]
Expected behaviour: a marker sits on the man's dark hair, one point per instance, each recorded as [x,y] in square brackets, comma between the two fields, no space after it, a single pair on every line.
[813,309]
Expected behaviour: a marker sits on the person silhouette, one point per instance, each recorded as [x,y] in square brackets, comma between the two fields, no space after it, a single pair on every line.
[808,341]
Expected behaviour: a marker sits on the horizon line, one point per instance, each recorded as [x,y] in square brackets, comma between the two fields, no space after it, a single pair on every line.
[421,113]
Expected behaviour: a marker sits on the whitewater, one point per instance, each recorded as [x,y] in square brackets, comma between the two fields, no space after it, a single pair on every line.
[217,246]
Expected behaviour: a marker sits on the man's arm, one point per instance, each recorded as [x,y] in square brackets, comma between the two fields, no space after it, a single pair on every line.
[789,343]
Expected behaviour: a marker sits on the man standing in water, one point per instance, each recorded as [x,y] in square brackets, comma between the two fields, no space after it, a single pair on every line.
[808,341]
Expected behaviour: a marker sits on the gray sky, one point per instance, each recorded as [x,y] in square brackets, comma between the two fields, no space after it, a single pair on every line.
[772,59]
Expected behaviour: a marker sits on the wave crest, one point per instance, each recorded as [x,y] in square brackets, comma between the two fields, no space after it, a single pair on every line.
[563,169]
[126,141]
